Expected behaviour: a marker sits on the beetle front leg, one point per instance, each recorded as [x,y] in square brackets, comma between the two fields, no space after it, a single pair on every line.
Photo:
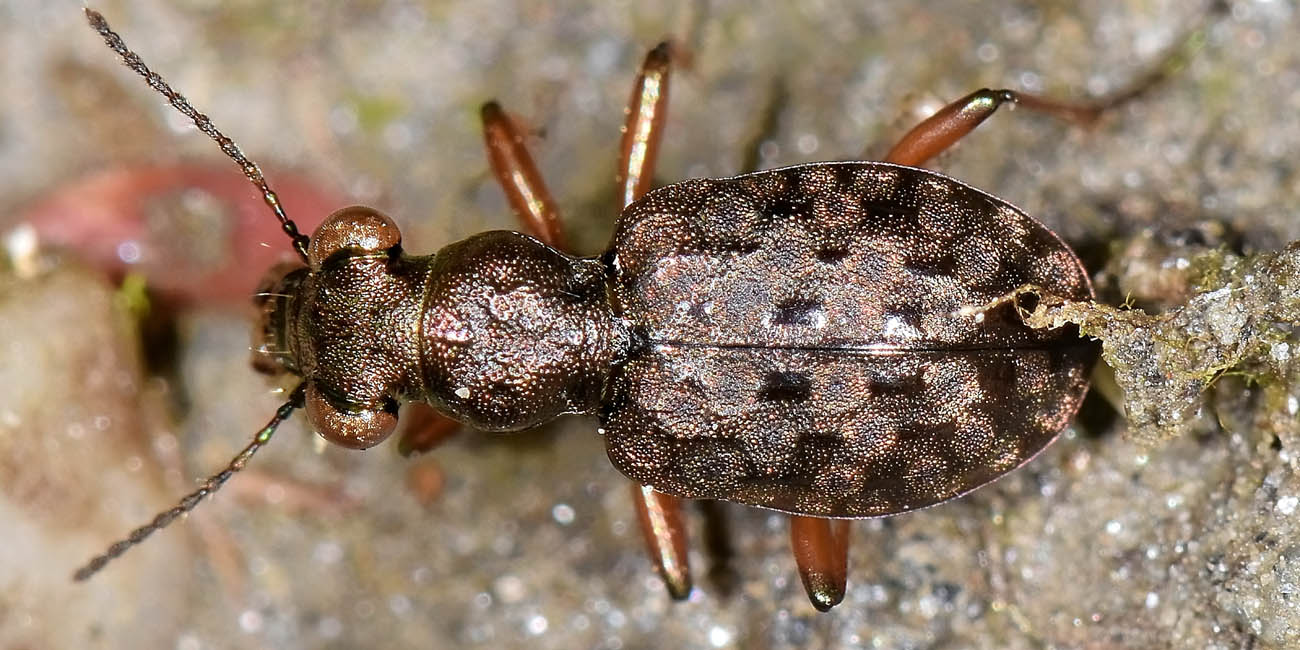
[420,428]
[514,168]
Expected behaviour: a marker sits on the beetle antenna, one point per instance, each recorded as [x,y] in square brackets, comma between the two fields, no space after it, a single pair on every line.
[178,101]
[191,500]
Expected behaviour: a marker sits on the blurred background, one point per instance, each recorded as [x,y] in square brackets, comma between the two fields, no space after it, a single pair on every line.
[130,243]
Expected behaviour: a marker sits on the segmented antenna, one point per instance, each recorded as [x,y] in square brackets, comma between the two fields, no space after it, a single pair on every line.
[193,499]
[177,100]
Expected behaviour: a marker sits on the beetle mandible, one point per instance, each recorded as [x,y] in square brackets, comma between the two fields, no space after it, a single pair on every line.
[811,339]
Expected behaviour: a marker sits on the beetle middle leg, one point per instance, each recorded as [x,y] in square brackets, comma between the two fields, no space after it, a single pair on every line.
[660,515]
[515,170]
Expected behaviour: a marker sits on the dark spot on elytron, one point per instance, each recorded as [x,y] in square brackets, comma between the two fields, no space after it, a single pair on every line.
[942,265]
[997,375]
[1082,349]
[888,209]
[782,386]
[845,178]
[831,255]
[1009,277]
[797,311]
[785,208]
[967,202]
[898,386]
[1038,247]
[943,431]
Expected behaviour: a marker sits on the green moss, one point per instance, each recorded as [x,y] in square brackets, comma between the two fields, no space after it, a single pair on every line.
[1236,322]
[376,112]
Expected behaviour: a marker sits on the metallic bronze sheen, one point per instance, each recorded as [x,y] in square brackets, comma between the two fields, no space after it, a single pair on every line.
[803,344]
[359,228]
[803,339]
[514,332]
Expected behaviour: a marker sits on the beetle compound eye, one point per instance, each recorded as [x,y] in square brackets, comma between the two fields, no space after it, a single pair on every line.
[360,229]
[360,428]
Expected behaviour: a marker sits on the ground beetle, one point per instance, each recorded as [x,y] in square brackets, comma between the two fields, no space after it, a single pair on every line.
[815,339]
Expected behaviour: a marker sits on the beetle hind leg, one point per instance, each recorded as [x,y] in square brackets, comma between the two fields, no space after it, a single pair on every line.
[953,122]
[821,550]
[940,131]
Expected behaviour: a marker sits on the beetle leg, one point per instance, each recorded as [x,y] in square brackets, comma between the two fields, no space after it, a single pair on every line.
[660,516]
[514,169]
[420,428]
[821,549]
[931,137]
[643,129]
[943,129]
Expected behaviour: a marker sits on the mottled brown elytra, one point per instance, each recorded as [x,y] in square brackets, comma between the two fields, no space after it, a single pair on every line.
[812,339]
